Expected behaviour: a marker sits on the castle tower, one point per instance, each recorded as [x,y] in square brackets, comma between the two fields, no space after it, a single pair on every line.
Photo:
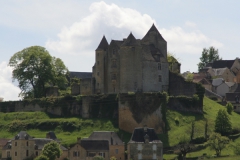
[130,65]
[99,67]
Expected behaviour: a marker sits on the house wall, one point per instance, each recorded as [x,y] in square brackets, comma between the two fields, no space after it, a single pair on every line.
[77,148]
[222,89]
[145,151]
[119,154]
[86,86]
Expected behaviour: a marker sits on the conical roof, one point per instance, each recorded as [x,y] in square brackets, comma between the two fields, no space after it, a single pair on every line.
[103,44]
[153,29]
[130,41]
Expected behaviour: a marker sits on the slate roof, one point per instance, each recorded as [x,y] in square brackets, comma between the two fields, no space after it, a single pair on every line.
[130,41]
[231,96]
[111,137]
[40,142]
[139,133]
[8,145]
[80,75]
[117,42]
[238,88]
[95,145]
[52,135]
[103,44]
[219,71]
[3,141]
[223,64]
[22,135]
[217,81]
[153,29]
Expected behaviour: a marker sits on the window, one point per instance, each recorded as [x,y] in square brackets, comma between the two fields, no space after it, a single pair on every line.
[98,73]
[114,76]
[114,52]
[27,143]
[36,153]
[76,154]
[91,154]
[27,153]
[101,154]
[114,64]
[159,66]
[15,143]
[160,78]
[116,151]
[235,107]
[8,153]
[15,153]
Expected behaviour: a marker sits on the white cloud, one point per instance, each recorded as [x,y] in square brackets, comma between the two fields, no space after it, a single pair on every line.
[8,90]
[81,39]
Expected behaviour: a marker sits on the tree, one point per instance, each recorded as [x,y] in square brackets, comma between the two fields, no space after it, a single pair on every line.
[222,122]
[189,77]
[184,147]
[217,142]
[41,157]
[208,55]
[229,107]
[173,63]
[98,158]
[52,150]
[35,69]
[236,148]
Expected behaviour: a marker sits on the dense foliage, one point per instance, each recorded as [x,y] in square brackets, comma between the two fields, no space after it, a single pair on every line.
[222,122]
[35,69]
[52,150]
[218,143]
[208,56]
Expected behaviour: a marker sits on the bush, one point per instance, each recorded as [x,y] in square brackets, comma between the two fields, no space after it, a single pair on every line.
[236,148]
[213,98]
[229,107]
[176,120]
[199,140]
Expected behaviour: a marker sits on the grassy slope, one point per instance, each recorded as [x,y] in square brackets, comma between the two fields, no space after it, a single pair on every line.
[183,129]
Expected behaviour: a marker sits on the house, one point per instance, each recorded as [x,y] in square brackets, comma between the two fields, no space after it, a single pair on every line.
[128,65]
[224,73]
[89,147]
[23,146]
[234,98]
[145,144]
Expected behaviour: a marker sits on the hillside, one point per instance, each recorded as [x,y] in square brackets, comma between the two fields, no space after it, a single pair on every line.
[68,129]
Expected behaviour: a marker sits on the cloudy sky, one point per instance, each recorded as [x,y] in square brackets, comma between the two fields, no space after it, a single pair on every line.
[72,29]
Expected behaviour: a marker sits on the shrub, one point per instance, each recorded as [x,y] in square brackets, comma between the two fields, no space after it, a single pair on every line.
[229,107]
[199,140]
[176,120]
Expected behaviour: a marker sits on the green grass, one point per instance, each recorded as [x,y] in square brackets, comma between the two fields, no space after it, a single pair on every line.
[37,124]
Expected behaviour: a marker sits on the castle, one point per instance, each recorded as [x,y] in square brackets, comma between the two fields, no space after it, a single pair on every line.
[128,65]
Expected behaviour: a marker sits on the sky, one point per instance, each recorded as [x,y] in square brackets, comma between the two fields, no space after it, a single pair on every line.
[72,29]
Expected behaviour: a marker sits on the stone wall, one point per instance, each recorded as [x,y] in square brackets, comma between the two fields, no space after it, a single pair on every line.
[86,86]
[178,86]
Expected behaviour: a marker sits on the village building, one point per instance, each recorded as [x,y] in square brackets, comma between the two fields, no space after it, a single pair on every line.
[145,144]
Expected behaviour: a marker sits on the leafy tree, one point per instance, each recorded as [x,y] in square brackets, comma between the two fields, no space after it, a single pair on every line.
[184,147]
[41,157]
[222,122]
[98,158]
[189,77]
[229,107]
[208,55]
[52,150]
[172,60]
[236,148]
[217,142]
[34,69]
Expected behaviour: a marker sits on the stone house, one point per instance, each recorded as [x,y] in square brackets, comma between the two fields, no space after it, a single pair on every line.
[224,73]
[103,143]
[23,146]
[145,144]
[233,97]
[129,65]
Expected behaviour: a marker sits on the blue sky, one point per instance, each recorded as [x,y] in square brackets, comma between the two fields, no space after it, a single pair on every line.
[72,29]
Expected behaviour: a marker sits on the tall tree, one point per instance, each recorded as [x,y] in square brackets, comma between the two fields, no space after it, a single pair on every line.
[208,55]
[52,150]
[222,122]
[34,68]
[218,143]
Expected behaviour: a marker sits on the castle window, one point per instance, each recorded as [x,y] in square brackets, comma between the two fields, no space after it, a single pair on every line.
[114,76]
[159,66]
[15,153]
[116,151]
[15,143]
[114,52]
[159,78]
[27,153]
[114,64]
[27,143]
[36,153]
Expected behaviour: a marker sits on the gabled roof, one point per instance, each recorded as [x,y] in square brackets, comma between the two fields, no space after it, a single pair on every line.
[153,29]
[95,145]
[219,71]
[139,133]
[103,45]
[130,41]
[117,42]
[111,137]
[80,75]
[232,96]
[223,64]
[217,81]
[51,135]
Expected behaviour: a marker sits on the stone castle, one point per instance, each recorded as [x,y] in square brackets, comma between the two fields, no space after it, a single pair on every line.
[128,65]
